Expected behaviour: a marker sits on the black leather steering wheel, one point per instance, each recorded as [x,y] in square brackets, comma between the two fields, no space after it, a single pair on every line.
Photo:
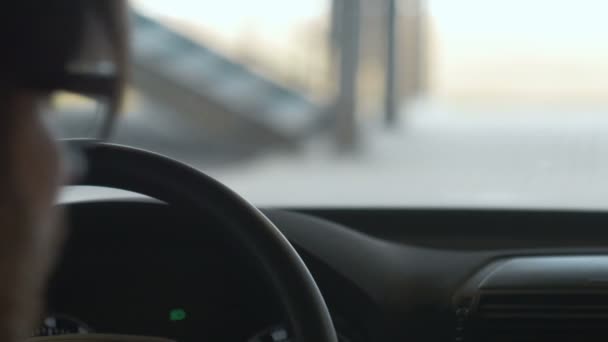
[177,184]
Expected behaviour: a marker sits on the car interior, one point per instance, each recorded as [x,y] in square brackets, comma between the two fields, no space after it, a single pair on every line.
[243,199]
[405,274]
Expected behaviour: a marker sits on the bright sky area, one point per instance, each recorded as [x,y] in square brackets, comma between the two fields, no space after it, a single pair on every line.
[547,48]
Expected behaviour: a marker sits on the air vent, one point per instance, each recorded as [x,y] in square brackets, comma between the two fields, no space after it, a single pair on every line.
[541,316]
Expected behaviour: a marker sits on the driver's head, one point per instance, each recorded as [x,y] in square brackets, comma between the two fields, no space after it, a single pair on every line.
[47,46]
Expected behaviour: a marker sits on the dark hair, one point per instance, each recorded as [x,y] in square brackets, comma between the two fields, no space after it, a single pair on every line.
[41,37]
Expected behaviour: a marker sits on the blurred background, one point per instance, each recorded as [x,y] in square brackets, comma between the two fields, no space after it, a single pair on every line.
[378,102]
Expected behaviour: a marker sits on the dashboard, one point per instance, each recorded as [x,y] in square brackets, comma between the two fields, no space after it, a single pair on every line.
[144,270]
[138,266]
[547,298]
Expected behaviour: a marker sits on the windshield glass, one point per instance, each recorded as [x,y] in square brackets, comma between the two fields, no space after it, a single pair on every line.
[468,103]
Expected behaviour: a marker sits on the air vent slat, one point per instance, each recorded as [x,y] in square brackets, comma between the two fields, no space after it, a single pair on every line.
[544,306]
[540,316]
[544,315]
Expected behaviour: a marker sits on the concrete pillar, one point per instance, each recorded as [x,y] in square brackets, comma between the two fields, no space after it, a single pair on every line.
[346,22]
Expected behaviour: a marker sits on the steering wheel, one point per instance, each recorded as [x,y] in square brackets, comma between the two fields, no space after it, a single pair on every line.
[177,184]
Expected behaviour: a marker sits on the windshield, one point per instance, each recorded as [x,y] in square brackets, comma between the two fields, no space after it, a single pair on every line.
[468,103]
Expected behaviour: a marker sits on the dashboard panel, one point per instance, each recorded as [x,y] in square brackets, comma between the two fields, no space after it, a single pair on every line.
[386,274]
[128,269]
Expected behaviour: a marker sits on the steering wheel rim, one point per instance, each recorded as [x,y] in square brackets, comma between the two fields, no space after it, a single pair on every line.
[165,179]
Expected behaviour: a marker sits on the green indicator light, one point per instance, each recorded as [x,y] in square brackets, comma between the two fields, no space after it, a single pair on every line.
[177,315]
